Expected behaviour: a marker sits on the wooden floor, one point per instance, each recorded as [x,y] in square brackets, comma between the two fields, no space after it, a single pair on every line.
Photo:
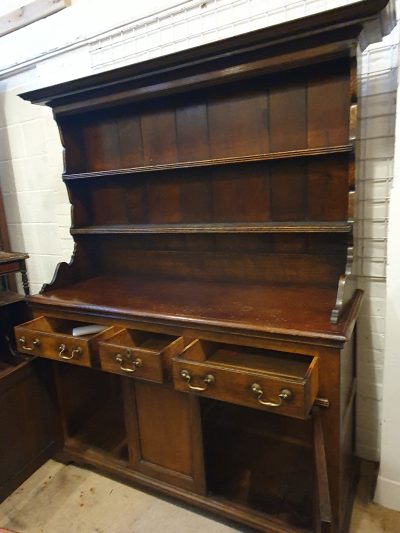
[65,499]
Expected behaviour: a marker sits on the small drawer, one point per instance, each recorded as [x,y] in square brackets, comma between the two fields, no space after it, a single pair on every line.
[52,338]
[264,379]
[139,354]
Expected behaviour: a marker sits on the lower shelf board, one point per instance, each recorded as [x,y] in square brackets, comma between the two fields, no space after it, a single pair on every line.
[9,297]
[270,467]
[104,432]
[93,418]
[220,506]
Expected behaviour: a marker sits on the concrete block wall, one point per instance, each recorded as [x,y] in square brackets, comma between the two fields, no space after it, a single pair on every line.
[375,156]
[37,206]
[34,197]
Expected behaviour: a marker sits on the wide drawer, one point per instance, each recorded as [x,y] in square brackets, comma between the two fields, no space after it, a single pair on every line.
[52,338]
[274,381]
[140,354]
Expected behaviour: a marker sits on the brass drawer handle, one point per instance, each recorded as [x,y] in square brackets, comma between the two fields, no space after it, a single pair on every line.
[76,352]
[35,344]
[209,379]
[284,395]
[137,363]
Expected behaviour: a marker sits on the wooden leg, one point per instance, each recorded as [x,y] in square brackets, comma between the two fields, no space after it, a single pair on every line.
[324,511]
[25,282]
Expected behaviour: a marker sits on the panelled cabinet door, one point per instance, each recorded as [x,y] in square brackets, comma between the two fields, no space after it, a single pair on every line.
[164,434]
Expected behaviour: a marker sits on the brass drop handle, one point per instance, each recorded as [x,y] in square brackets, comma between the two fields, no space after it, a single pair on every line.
[136,363]
[284,395]
[76,352]
[35,344]
[209,379]
[62,349]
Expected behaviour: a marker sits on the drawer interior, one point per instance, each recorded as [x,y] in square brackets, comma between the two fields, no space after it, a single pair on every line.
[58,326]
[238,469]
[268,362]
[130,338]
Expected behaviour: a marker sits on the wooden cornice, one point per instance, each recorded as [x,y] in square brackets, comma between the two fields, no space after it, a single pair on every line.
[335,25]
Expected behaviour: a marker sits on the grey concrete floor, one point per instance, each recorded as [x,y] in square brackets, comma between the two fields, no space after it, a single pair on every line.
[69,499]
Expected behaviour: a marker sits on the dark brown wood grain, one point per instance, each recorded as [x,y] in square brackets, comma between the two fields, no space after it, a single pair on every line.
[234,371]
[159,136]
[328,106]
[287,154]
[212,195]
[26,409]
[192,131]
[186,302]
[288,116]
[130,141]
[227,227]
[324,503]
[165,435]
[53,339]
[139,355]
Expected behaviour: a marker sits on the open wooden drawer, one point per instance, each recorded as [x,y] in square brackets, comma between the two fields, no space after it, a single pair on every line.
[263,379]
[52,338]
[140,354]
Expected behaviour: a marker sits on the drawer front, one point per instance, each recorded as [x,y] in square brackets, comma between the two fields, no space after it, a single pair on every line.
[52,338]
[53,346]
[250,389]
[132,362]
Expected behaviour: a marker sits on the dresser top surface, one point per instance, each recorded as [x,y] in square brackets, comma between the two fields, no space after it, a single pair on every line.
[251,308]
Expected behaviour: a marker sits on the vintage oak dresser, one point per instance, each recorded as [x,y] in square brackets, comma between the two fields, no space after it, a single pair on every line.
[212,196]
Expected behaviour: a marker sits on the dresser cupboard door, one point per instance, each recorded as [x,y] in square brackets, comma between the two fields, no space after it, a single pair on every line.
[27,422]
[164,434]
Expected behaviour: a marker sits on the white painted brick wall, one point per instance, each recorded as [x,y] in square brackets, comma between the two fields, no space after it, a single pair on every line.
[378,87]
[37,206]
[30,168]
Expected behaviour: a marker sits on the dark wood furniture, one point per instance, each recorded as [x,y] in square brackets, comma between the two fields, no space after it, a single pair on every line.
[13,309]
[27,414]
[12,263]
[212,195]
[5,240]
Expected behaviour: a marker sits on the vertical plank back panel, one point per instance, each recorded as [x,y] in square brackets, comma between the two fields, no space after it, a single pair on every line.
[108,205]
[196,196]
[164,200]
[328,188]
[192,131]
[328,103]
[159,136]
[238,122]
[101,143]
[135,202]
[288,116]
[130,139]
[241,193]
[288,190]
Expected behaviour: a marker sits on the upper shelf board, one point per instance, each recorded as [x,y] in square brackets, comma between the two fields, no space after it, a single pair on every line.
[247,227]
[307,152]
